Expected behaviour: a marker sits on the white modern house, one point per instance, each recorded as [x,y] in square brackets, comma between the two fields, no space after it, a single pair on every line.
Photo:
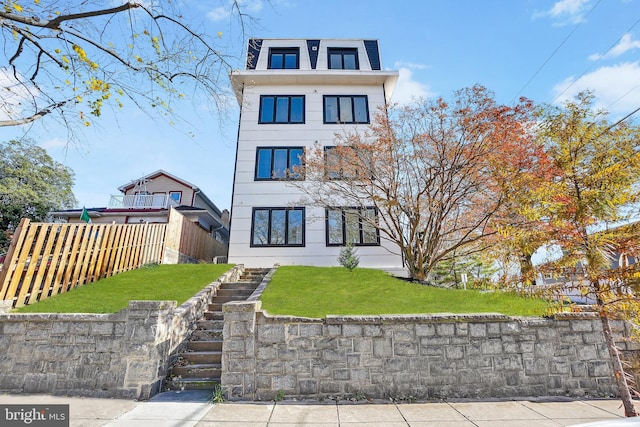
[296,94]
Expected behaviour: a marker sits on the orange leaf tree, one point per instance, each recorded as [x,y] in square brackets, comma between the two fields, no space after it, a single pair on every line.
[434,171]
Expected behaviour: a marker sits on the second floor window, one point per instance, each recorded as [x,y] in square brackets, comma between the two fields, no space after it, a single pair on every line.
[281,109]
[346,109]
[343,59]
[279,163]
[284,58]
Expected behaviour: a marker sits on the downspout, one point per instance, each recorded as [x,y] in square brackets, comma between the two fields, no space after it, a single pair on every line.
[235,166]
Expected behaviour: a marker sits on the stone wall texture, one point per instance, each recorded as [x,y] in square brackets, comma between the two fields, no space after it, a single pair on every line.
[413,357]
[124,355]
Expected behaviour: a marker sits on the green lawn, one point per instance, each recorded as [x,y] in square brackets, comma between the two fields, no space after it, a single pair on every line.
[177,282]
[317,292]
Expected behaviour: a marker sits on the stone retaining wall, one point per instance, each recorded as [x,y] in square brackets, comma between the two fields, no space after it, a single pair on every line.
[124,355]
[413,357]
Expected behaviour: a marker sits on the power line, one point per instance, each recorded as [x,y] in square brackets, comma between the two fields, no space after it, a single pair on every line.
[553,53]
[590,68]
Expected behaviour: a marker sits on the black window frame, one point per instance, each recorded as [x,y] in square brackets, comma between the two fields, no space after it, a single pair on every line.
[289,176]
[342,51]
[284,51]
[275,111]
[341,174]
[338,109]
[361,223]
[270,211]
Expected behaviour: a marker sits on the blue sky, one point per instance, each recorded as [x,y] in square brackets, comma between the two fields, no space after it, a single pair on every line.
[545,50]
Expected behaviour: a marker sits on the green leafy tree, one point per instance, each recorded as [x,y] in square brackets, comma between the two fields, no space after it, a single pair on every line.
[73,57]
[596,182]
[32,184]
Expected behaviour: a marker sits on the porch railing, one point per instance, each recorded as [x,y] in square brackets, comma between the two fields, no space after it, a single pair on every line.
[141,201]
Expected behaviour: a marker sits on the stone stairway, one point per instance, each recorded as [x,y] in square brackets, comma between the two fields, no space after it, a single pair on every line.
[199,367]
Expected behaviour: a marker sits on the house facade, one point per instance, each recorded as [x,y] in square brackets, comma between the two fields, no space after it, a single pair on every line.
[296,94]
[148,199]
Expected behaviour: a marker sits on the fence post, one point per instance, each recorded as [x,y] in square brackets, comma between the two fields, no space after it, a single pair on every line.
[16,242]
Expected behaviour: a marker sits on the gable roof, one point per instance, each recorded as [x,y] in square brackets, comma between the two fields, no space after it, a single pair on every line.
[153,175]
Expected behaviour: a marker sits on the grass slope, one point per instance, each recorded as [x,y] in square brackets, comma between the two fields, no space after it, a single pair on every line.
[177,282]
[319,291]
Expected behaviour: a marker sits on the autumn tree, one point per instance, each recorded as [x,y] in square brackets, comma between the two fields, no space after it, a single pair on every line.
[32,184]
[597,181]
[72,58]
[434,172]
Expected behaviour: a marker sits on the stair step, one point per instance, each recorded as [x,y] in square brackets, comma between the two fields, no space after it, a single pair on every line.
[213,345]
[199,357]
[207,334]
[239,285]
[223,299]
[192,384]
[216,324]
[201,370]
[234,292]
[214,306]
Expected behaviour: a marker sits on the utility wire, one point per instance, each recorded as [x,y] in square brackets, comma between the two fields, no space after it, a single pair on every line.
[590,68]
[553,53]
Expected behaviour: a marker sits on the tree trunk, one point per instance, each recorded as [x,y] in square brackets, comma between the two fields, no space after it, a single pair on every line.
[621,379]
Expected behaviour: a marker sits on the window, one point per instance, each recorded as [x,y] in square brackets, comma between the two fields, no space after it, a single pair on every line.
[281,109]
[357,226]
[284,58]
[277,227]
[176,196]
[343,59]
[346,109]
[348,162]
[273,163]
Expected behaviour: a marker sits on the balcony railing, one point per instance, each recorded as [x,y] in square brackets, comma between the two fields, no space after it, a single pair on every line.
[141,201]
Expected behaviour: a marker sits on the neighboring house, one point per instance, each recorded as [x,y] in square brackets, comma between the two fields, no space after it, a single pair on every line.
[625,253]
[149,198]
[295,94]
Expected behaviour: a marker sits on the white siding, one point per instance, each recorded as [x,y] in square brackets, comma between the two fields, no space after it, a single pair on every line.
[248,193]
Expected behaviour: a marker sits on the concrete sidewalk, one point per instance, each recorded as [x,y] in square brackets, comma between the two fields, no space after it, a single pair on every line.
[178,409]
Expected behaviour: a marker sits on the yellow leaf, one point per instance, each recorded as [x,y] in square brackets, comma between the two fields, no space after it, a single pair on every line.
[219,34]
[17,7]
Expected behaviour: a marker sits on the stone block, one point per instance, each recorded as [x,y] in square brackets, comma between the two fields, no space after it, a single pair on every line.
[353,360]
[269,367]
[477,330]
[371,330]
[101,328]
[493,329]
[509,328]
[298,367]
[284,382]
[491,346]
[325,343]
[310,330]
[308,387]
[536,367]
[445,329]
[269,334]
[405,349]
[396,364]
[383,348]
[588,352]
[454,352]
[479,361]
[582,325]
[600,369]
[544,350]
[341,374]
[547,334]
[425,329]
[264,382]
[508,363]
[39,383]
[352,330]
[337,355]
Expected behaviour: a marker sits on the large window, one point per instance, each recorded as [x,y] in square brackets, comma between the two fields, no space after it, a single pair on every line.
[355,226]
[279,163]
[277,227]
[343,59]
[346,109]
[284,58]
[281,109]
[348,162]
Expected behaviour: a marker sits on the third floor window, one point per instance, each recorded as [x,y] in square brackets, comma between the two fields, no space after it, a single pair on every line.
[343,59]
[346,109]
[284,58]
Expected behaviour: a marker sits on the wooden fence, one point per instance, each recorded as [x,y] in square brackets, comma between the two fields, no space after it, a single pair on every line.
[47,259]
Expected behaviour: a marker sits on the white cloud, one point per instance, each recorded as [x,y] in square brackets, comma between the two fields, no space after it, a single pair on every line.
[566,12]
[54,144]
[616,88]
[626,44]
[221,13]
[407,89]
[410,65]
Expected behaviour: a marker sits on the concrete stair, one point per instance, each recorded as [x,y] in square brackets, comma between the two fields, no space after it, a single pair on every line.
[199,367]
